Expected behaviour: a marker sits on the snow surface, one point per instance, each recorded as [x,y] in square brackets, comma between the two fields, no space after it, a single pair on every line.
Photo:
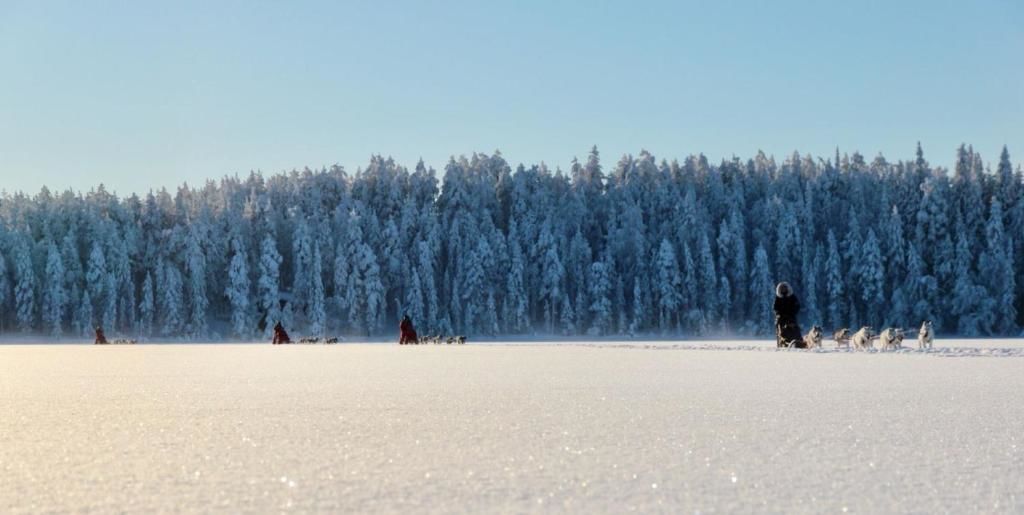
[612,427]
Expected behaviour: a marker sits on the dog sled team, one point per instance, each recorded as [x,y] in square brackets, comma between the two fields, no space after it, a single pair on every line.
[788,334]
[407,335]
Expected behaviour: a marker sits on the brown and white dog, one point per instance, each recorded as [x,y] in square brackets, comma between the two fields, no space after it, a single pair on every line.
[863,339]
[926,335]
[812,339]
[842,337]
[891,338]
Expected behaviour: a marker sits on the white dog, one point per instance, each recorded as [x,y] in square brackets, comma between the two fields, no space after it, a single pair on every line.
[863,339]
[891,338]
[925,336]
[813,338]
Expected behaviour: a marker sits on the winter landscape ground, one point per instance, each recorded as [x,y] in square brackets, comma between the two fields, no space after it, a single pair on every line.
[611,427]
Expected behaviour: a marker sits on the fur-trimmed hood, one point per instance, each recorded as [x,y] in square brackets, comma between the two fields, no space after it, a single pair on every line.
[783,286]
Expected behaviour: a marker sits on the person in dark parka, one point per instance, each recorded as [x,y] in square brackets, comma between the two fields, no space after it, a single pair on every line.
[787,306]
[280,335]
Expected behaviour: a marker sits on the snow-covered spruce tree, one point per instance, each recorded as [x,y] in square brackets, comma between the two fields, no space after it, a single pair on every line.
[84,316]
[762,293]
[516,319]
[195,268]
[54,295]
[173,307]
[239,291]
[473,289]
[600,299]
[302,259]
[24,286]
[427,263]
[967,303]
[96,280]
[370,304]
[870,274]
[6,296]
[669,284]
[147,307]
[316,311]
[708,280]
[414,301]
[342,281]
[997,274]
[552,274]
[268,284]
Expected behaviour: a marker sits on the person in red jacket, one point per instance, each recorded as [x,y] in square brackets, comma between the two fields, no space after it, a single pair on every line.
[406,332]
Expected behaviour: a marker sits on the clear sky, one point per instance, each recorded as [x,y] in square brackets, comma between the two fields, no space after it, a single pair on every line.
[147,94]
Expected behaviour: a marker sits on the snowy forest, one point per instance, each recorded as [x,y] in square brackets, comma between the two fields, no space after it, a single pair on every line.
[643,247]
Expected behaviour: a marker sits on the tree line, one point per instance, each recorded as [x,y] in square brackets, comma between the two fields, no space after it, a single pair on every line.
[641,247]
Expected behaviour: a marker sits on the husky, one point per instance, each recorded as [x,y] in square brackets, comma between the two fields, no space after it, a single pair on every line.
[331,340]
[925,336]
[863,339]
[842,337]
[812,339]
[892,338]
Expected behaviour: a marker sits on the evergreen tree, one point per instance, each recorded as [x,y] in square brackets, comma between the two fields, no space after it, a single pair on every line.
[173,309]
[762,293]
[5,290]
[147,307]
[600,299]
[871,275]
[317,309]
[24,287]
[834,283]
[238,290]
[195,268]
[54,297]
[997,264]
[268,284]
[669,285]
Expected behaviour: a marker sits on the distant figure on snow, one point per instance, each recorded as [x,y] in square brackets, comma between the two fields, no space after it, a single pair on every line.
[280,335]
[101,339]
[406,332]
[786,308]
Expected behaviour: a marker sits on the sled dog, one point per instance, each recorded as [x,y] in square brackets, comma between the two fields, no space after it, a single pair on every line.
[925,336]
[842,337]
[891,338]
[863,339]
[813,338]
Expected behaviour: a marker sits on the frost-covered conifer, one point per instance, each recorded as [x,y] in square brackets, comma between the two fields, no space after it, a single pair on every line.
[54,296]
[195,268]
[762,292]
[238,290]
[317,309]
[173,307]
[147,306]
[268,285]
[24,286]
[669,284]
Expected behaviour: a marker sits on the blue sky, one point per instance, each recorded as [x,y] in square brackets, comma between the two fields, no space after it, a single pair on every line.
[147,94]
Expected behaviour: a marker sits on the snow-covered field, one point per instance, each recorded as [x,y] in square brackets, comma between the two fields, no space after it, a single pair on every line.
[661,427]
